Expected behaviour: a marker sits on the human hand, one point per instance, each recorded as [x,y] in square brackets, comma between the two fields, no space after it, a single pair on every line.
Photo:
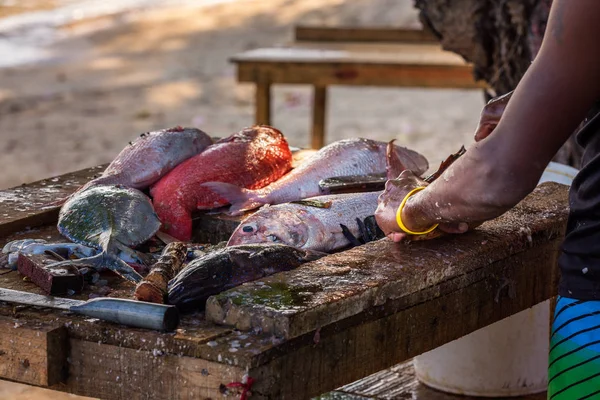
[490,116]
[390,200]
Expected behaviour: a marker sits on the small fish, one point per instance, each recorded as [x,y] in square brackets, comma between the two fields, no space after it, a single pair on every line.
[150,157]
[111,219]
[307,227]
[251,158]
[346,157]
[230,267]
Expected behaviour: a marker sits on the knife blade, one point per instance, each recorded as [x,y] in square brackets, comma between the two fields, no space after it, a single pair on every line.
[352,184]
[132,313]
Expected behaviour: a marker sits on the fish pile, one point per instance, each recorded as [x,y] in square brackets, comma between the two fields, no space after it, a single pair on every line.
[154,185]
[250,159]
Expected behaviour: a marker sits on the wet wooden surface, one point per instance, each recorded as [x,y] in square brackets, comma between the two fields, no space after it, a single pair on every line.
[361,280]
[199,359]
[400,382]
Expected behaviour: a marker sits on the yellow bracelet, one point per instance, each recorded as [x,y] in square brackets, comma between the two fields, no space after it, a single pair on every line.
[399,215]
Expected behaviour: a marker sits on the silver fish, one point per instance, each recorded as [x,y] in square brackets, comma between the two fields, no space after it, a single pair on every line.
[40,246]
[150,157]
[346,157]
[311,224]
[111,219]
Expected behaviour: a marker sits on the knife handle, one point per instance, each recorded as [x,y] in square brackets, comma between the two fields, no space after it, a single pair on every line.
[133,313]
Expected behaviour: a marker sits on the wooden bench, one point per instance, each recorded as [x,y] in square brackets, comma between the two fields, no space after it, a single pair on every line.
[308,331]
[400,58]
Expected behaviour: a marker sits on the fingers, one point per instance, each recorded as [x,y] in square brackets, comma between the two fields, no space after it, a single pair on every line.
[460,227]
[484,131]
[396,236]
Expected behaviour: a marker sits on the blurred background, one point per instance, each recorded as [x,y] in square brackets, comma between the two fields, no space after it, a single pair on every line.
[79,79]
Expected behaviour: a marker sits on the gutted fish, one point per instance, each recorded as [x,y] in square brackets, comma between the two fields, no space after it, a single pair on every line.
[251,159]
[230,267]
[111,219]
[311,224]
[346,157]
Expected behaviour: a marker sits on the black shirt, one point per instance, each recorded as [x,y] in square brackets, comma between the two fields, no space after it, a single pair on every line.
[580,258]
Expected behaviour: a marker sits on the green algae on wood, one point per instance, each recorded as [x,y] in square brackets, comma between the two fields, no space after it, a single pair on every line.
[274,295]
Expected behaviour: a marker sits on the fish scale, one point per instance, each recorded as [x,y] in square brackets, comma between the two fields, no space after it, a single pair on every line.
[251,159]
[151,156]
[309,227]
[346,157]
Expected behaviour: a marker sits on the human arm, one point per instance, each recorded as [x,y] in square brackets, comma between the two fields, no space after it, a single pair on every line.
[545,108]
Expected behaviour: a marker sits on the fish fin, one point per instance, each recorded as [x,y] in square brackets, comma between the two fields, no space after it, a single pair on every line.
[362,230]
[348,235]
[393,165]
[372,230]
[240,199]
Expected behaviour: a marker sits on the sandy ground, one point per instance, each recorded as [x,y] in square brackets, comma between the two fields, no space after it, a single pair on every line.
[157,69]
[170,67]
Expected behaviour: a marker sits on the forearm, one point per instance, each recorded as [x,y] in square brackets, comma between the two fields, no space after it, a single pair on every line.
[537,120]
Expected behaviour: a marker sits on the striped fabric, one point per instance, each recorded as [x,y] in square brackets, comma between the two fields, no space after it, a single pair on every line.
[574,364]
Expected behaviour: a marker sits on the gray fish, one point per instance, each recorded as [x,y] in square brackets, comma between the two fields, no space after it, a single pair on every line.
[311,224]
[150,157]
[230,267]
[111,219]
[346,157]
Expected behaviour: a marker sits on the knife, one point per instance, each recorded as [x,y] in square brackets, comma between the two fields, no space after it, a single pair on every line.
[375,182]
[133,313]
[352,184]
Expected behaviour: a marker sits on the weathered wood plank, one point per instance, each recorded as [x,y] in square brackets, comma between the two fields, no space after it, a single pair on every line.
[442,306]
[399,382]
[33,353]
[113,372]
[362,345]
[363,34]
[355,53]
[28,206]
[317,294]
[384,75]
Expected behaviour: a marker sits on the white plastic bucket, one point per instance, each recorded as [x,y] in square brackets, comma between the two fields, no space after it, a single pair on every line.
[505,359]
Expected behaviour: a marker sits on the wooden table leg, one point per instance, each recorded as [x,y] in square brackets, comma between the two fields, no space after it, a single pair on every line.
[263,102]
[319,113]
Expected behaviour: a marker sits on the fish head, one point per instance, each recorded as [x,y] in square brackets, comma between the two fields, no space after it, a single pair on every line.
[272,225]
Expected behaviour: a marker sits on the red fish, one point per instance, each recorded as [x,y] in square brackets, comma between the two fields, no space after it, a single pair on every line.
[251,159]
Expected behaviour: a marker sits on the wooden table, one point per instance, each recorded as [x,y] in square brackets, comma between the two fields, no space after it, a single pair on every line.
[300,333]
[368,63]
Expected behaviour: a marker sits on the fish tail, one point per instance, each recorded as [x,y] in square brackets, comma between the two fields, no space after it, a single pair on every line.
[240,199]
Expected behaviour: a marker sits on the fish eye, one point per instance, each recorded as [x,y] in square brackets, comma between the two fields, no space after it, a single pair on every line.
[249,228]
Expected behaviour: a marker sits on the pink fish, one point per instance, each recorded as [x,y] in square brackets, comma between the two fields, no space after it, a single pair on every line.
[252,158]
[349,157]
[150,157]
